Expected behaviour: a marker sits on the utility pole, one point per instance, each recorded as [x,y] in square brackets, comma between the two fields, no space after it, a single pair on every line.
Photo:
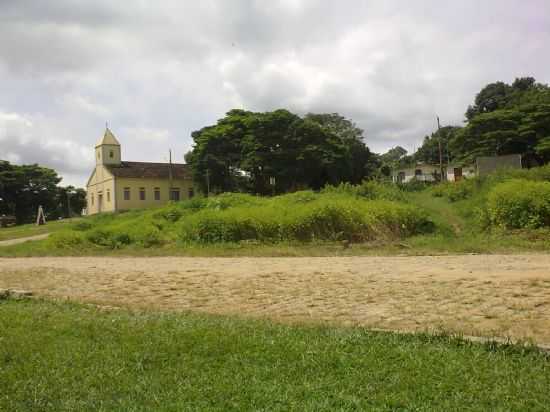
[207,182]
[440,152]
[69,204]
[170,178]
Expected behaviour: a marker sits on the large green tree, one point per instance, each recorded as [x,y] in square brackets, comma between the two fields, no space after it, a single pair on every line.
[25,187]
[278,151]
[507,119]
[504,119]
[429,151]
[358,160]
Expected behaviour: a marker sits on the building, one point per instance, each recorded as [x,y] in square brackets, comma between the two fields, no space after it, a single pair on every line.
[489,164]
[117,185]
[456,173]
[431,173]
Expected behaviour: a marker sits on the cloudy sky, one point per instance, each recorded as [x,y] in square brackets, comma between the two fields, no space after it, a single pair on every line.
[157,70]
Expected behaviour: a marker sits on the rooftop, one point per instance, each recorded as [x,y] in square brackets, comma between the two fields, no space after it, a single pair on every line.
[150,170]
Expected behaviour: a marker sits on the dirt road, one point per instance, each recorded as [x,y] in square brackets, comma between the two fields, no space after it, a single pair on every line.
[505,296]
[23,239]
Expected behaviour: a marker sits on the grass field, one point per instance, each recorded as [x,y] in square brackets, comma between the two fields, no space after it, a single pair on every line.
[60,357]
[375,219]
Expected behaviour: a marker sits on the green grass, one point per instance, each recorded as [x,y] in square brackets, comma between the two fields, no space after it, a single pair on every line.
[378,219]
[17,232]
[61,356]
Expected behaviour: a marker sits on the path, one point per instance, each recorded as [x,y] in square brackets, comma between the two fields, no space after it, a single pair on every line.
[23,239]
[483,295]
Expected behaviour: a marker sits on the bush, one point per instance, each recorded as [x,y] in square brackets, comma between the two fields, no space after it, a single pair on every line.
[171,214]
[369,189]
[519,203]
[149,237]
[327,218]
[415,185]
[455,191]
[229,200]
[82,226]
[108,238]
[380,191]
[66,239]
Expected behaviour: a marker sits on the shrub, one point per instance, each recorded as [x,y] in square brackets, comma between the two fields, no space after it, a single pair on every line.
[229,200]
[108,238]
[380,191]
[369,189]
[519,203]
[455,191]
[66,239]
[329,218]
[342,188]
[149,237]
[303,196]
[415,185]
[536,173]
[82,226]
[171,214]
[214,227]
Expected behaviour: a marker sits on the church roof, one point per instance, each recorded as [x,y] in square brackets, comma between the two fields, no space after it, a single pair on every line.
[108,138]
[150,170]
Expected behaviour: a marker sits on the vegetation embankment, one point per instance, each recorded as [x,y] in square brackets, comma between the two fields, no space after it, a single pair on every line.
[333,215]
[31,229]
[60,356]
[504,212]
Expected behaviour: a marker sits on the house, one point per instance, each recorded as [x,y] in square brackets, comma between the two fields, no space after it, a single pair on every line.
[420,172]
[456,173]
[117,185]
[431,173]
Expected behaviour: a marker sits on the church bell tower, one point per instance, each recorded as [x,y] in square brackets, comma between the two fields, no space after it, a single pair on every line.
[107,150]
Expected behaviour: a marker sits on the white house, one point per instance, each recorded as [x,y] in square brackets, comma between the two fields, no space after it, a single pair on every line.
[431,173]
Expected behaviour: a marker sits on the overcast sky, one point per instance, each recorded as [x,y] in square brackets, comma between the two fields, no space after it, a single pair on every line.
[157,70]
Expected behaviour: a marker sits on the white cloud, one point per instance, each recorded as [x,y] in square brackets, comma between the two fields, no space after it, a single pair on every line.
[158,70]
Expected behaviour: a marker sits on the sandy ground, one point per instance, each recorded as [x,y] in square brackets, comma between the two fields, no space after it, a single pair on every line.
[483,295]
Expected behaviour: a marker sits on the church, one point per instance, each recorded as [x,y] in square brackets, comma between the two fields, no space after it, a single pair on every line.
[117,185]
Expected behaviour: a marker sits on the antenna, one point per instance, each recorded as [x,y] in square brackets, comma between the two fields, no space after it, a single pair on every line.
[440,152]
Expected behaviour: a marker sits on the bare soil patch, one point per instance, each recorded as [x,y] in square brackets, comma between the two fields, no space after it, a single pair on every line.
[482,295]
[23,239]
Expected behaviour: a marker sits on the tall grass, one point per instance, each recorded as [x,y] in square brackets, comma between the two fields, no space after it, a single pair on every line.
[519,203]
[357,214]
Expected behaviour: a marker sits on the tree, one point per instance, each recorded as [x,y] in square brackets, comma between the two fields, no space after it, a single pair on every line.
[359,161]
[429,151]
[24,188]
[216,153]
[506,119]
[391,160]
[250,151]
[68,202]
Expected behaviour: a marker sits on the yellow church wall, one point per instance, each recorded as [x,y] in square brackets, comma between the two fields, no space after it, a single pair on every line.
[101,188]
[135,184]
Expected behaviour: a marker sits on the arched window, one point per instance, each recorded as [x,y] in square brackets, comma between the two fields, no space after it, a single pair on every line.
[111,154]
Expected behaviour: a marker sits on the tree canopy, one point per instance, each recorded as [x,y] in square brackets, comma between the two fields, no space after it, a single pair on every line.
[25,187]
[504,119]
[278,151]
